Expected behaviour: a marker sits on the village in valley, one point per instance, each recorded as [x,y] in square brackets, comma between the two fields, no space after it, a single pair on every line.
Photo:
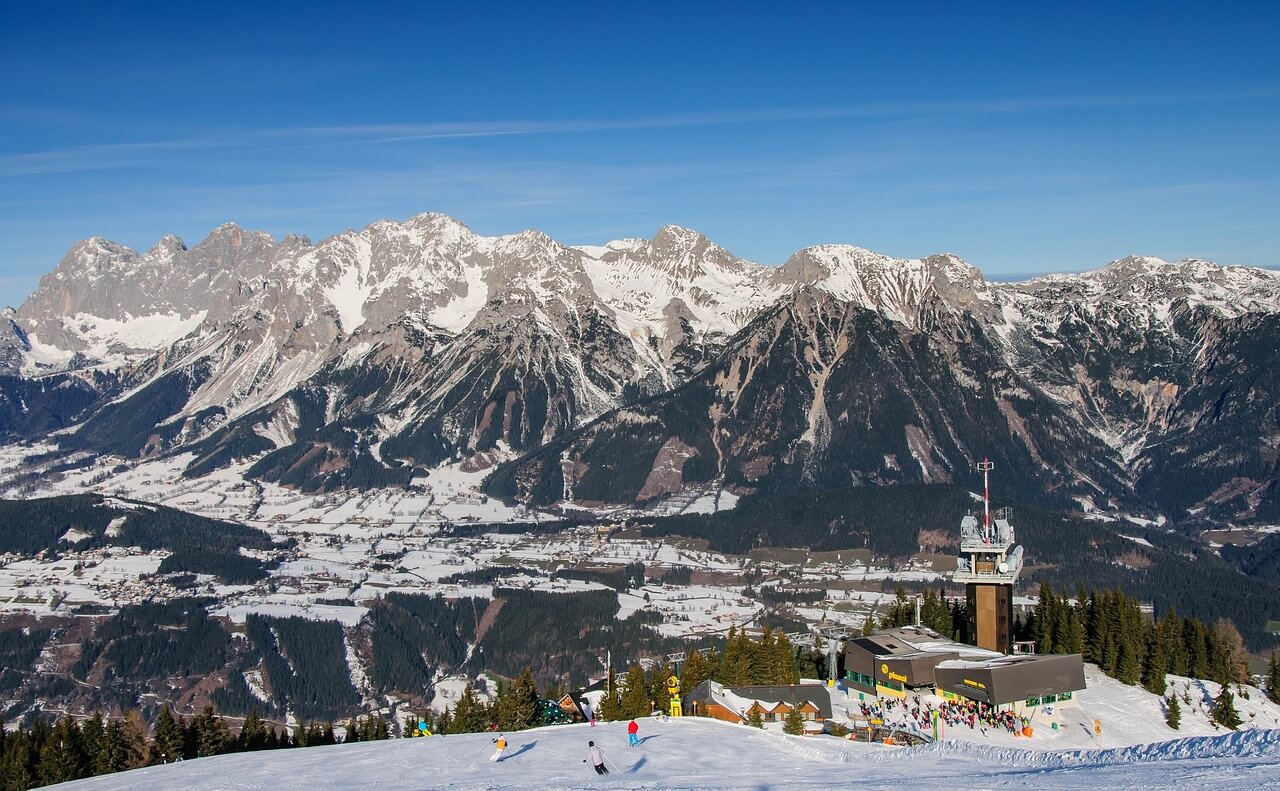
[334,557]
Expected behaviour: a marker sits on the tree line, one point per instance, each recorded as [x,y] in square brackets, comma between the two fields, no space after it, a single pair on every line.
[45,753]
[1110,630]
[517,706]
[740,661]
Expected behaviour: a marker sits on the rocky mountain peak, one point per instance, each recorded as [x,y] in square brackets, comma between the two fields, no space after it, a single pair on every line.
[168,244]
[686,255]
[897,288]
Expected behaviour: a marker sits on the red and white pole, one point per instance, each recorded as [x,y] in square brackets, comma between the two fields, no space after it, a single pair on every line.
[986,466]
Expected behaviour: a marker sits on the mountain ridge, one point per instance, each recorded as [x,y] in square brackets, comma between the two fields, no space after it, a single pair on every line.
[376,354]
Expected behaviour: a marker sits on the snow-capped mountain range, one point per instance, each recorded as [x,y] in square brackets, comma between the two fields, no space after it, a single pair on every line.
[374,355]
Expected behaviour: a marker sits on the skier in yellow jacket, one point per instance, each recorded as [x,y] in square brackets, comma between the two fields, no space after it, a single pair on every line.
[501,744]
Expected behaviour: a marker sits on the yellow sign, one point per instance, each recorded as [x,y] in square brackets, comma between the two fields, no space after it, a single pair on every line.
[971,683]
[884,668]
[896,676]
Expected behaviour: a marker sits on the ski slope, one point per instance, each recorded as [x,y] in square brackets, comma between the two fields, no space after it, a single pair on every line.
[694,753]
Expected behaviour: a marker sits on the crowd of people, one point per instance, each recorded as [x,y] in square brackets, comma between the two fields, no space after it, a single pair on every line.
[914,715]
[979,716]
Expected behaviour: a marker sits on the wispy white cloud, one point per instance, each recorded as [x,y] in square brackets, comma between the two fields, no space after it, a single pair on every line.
[106,156]
[114,155]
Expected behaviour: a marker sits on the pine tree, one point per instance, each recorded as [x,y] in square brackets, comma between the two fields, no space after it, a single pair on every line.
[1234,656]
[1092,629]
[656,685]
[1128,661]
[1224,711]
[1172,712]
[1154,666]
[92,732]
[253,734]
[959,621]
[936,614]
[901,612]
[869,623]
[470,715]
[63,756]
[735,662]
[1193,642]
[18,766]
[518,707]
[169,738]
[443,724]
[784,662]
[755,720]
[1043,620]
[696,670]
[1273,677]
[1073,639]
[635,697]
[315,736]
[793,723]
[610,709]
[113,754]
[212,737]
[1174,646]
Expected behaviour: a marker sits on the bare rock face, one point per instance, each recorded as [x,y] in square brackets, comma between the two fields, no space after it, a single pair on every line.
[353,361]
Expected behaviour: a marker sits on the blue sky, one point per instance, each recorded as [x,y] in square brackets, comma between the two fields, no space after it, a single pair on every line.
[1024,139]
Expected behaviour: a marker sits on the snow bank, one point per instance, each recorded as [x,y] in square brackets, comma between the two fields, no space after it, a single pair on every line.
[1236,745]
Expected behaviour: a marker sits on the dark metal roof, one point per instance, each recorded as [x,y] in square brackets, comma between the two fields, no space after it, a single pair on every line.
[884,645]
[792,695]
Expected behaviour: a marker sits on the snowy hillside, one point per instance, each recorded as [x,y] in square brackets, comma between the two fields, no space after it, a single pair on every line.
[705,754]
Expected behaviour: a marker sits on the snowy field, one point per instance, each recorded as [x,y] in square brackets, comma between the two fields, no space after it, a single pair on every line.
[705,754]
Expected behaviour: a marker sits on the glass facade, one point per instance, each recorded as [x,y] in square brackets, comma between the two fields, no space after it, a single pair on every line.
[1047,699]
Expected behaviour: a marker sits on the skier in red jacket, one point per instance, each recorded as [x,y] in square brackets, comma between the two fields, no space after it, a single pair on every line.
[632,729]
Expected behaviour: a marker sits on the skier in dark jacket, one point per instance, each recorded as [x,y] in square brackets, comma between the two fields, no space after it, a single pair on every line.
[596,756]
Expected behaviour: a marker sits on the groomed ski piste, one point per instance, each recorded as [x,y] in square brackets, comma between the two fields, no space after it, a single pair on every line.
[695,753]
[1136,750]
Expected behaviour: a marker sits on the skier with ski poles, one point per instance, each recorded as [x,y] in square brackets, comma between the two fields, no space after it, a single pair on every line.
[501,743]
[596,756]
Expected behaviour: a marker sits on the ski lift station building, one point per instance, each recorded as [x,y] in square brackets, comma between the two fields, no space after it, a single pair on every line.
[891,661]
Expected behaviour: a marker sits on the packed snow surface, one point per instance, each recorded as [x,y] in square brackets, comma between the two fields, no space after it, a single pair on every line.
[705,754]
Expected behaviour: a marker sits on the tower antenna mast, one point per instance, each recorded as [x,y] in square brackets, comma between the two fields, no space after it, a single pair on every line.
[986,466]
